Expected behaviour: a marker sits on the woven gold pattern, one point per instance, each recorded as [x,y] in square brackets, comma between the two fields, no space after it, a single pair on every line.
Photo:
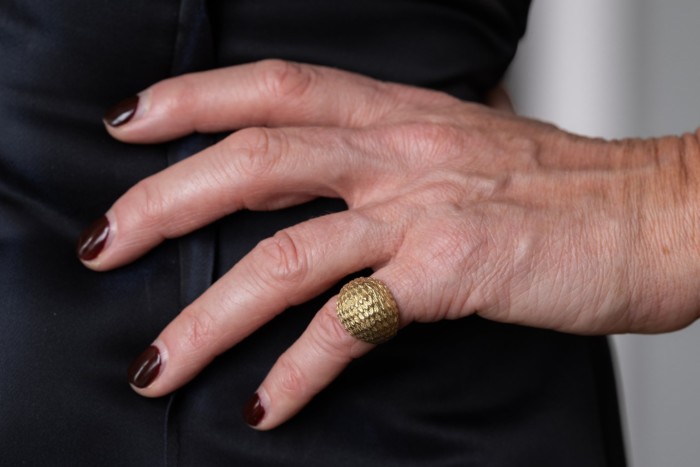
[367,310]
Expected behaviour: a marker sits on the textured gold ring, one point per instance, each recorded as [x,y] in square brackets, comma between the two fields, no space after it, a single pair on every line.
[367,310]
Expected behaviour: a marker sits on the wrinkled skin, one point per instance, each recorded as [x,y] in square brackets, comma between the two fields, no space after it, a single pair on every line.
[459,208]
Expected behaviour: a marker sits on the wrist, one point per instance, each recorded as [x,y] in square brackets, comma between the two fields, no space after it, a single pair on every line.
[668,208]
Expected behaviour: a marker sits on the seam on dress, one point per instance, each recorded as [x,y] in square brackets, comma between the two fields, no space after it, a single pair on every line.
[192,51]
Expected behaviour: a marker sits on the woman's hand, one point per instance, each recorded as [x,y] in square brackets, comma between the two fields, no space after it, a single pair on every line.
[458,208]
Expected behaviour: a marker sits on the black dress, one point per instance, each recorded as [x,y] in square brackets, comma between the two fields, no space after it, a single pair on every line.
[462,393]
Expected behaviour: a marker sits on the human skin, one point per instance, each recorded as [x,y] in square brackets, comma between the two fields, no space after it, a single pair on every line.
[459,208]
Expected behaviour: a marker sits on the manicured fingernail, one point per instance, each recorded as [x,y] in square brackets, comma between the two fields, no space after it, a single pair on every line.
[253,411]
[93,239]
[122,112]
[144,369]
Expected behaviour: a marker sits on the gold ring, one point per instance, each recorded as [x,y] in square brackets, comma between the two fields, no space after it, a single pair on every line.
[367,310]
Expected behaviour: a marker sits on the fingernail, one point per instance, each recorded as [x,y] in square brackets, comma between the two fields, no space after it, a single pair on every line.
[144,369]
[253,411]
[93,239]
[122,112]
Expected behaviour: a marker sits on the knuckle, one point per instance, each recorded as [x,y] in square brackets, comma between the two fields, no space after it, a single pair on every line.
[148,201]
[331,338]
[284,260]
[292,381]
[198,328]
[426,141]
[286,80]
[260,150]
[430,136]
[180,93]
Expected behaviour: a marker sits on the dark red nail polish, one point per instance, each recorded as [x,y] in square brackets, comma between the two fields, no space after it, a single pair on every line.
[122,112]
[93,239]
[253,411]
[144,369]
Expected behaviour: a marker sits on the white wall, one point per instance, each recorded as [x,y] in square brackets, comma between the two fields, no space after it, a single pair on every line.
[617,68]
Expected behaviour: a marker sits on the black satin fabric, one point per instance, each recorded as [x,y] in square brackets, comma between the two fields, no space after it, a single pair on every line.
[462,393]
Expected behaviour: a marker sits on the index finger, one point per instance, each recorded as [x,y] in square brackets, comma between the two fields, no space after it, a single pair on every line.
[266,93]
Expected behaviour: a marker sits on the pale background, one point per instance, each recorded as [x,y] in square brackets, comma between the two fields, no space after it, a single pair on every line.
[617,68]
